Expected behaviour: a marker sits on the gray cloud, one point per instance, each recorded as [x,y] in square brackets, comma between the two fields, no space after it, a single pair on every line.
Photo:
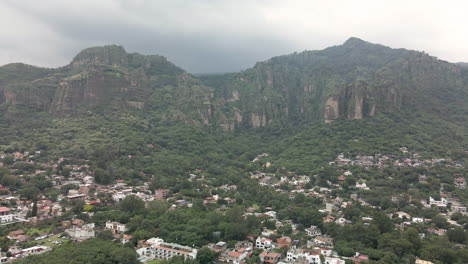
[219,36]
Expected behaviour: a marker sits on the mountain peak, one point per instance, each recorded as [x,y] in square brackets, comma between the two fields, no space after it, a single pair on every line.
[108,54]
[353,41]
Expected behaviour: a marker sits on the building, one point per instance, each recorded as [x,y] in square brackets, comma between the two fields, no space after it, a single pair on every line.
[459,209]
[5,215]
[313,231]
[441,203]
[294,255]
[283,242]
[420,261]
[160,194]
[116,227]
[81,233]
[156,248]
[263,243]
[360,258]
[30,251]
[126,238]
[459,182]
[321,241]
[269,257]
[234,257]
[422,179]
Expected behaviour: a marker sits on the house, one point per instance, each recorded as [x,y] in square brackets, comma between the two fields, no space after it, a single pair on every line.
[358,258]
[422,179]
[322,241]
[268,233]
[328,219]
[243,244]
[115,227]
[362,185]
[74,197]
[342,221]
[30,251]
[284,242]
[218,247]
[77,222]
[234,257]
[459,209]
[313,231]
[5,215]
[403,215]
[441,203]
[302,256]
[459,182]
[420,261]
[269,257]
[156,248]
[263,243]
[126,238]
[13,235]
[160,194]
[439,232]
[326,252]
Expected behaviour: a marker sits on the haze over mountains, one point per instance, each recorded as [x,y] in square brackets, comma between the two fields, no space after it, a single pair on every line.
[349,81]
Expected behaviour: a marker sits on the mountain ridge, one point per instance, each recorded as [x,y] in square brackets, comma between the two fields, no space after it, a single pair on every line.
[349,81]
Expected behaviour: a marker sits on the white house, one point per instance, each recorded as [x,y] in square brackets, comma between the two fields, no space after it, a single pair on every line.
[116,227]
[263,243]
[5,215]
[313,231]
[441,203]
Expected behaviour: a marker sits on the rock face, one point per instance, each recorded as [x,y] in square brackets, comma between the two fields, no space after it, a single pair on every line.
[331,111]
[351,81]
[104,76]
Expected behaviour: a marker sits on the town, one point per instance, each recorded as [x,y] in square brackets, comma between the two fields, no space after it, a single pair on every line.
[38,219]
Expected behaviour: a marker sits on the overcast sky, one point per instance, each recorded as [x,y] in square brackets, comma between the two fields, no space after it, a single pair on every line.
[219,36]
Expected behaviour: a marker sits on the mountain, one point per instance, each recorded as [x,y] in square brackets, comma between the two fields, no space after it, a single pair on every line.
[350,81]
[102,76]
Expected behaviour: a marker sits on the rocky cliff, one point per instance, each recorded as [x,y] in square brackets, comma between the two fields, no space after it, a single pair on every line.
[102,76]
[349,81]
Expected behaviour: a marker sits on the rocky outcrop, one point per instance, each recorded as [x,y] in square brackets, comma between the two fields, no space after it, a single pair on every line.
[331,111]
[88,89]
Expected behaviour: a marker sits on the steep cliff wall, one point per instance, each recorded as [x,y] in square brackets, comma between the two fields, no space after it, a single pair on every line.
[350,81]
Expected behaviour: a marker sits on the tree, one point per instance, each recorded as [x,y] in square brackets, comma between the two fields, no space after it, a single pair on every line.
[382,222]
[457,235]
[34,209]
[105,235]
[205,255]
[29,192]
[102,177]
[132,204]
[440,221]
